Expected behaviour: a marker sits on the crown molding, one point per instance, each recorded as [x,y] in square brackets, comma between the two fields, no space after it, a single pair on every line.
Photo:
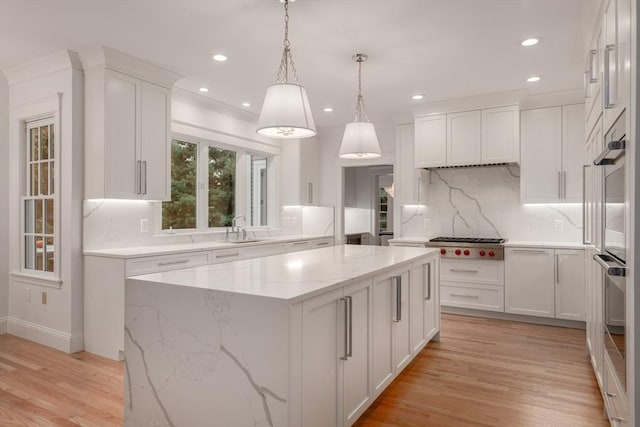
[59,61]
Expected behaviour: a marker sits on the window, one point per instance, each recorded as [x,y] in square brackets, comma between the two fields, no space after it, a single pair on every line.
[39,199]
[204,187]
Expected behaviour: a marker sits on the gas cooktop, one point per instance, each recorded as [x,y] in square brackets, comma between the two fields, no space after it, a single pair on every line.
[467,240]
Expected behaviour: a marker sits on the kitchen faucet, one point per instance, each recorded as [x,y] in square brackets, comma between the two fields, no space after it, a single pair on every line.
[235,228]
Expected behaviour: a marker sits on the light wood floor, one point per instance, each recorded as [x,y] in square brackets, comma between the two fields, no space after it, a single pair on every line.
[482,373]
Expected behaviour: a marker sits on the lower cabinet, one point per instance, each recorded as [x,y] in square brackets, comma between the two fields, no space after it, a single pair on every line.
[545,282]
[357,339]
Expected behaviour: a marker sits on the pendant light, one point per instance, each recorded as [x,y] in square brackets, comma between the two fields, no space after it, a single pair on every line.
[286,112]
[360,140]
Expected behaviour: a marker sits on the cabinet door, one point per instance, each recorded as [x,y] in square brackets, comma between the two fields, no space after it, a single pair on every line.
[501,135]
[417,294]
[530,282]
[431,141]
[356,382]
[616,53]
[593,80]
[464,145]
[431,300]
[382,326]
[401,339]
[121,136]
[155,142]
[573,152]
[540,144]
[570,284]
[323,331]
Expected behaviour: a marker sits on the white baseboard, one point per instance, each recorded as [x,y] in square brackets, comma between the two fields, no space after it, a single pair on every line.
[3,325]
[43,335]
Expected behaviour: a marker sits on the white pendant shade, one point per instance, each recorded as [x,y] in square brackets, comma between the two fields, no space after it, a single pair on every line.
[286,113]
[360,141]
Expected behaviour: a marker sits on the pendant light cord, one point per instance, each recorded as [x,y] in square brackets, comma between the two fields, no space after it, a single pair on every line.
[361,110]
[287,57]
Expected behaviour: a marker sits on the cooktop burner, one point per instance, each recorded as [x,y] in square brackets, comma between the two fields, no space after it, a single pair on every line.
[476,240]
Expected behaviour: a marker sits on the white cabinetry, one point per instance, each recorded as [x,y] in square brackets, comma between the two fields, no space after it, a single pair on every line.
[477,285]
[501,135]
[431,141]
[468,138]
[425,307]
[464,146]
[545,282]
[300,174]
[127,128]
[552,144]
[336,355]
[411,183]
[616,59]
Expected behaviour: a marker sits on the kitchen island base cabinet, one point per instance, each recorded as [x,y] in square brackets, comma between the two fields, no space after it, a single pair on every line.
[211,357]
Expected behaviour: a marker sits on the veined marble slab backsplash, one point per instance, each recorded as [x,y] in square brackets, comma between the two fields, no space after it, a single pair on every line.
[111,224]
[485,202]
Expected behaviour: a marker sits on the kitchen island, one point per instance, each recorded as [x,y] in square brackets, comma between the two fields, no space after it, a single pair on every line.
[300,339]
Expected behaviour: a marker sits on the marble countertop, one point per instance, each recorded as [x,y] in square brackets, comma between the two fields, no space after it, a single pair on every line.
[290,277]
[409,240]
[142,251]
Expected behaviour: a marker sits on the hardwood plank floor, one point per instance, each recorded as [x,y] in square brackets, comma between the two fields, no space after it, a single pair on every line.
[482,373]
[487,372]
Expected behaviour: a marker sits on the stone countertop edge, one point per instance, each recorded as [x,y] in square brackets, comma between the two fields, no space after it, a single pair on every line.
[182,248]
[298,295]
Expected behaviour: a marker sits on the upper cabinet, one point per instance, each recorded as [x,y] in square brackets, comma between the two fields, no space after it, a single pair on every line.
[411,183]
[552,142]
[127,127]
[300,172]
[616,58]
[468,138]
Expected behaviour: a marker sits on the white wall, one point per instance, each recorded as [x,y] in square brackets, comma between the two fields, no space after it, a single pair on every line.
[331,166]
[4,195]
[49,86]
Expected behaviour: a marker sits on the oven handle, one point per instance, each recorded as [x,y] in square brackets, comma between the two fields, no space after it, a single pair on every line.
[584,205]
[610,265]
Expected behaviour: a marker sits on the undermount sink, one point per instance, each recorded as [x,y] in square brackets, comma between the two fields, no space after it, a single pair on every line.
[243,240]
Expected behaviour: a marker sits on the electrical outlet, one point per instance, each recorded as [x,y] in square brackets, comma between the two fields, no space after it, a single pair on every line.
[144,225]
[558,225]
[44,298]
[28,294]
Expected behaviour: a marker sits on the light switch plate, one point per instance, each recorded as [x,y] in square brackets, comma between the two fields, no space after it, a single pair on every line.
[144,225]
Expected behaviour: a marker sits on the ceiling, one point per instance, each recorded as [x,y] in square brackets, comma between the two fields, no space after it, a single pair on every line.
[440,48]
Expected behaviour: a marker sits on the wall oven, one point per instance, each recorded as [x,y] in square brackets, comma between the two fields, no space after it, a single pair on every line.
[613,258]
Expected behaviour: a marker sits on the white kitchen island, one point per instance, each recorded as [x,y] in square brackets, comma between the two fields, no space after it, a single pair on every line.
[301,339]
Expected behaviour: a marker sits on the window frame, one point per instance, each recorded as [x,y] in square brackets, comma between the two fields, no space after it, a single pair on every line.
[25,162]
[241,189]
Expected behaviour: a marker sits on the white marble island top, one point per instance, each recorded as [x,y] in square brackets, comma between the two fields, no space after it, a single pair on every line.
[291,277]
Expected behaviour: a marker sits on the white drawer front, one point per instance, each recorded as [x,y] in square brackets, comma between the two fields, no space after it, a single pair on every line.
[615,397]
[322,243]
[302,245]
[469,271]
[260,251]
[490,298]
[407,245]
[147,265]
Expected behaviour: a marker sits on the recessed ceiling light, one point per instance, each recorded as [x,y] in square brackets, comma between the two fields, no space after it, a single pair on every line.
[246,104]
[328,110]
[530,42]
[219,57]
[203,89]
[534,79]
[417,97]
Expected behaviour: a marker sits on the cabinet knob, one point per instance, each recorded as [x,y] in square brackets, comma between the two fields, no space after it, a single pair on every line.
[492,254]
[482,253]
[458,252]
[466,252]
[443,251]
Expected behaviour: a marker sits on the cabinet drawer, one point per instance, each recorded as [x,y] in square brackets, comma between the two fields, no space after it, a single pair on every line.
[490,298]
[260,251]
[615,397]
[164,262]
[468,271]
[301,245]
[406,245]
[321,243]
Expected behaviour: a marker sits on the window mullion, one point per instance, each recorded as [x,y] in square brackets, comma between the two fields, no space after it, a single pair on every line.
[203,187]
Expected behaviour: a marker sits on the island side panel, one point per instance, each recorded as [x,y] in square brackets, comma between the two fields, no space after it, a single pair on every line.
[198,357]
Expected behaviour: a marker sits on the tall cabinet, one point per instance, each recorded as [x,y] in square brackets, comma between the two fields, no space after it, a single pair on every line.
[127,129]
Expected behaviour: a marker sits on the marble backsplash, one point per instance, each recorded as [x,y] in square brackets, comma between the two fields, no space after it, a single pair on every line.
[111,224]
[485,202]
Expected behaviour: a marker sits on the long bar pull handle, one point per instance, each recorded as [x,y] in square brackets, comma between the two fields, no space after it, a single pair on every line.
[399,299]
[586,84]
[182,261]
[557,268]
[310,192]
[144,174]
[229,255]
[593,55]
[345,355]
[350,305]
[584,205]
[607,73]
[559,185]
[138,178]
[462,270]
[564,184]
[530,251]
[465,296]
[396,285]
[427,272]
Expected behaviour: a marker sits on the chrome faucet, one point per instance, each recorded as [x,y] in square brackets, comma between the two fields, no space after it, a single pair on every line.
[235,228]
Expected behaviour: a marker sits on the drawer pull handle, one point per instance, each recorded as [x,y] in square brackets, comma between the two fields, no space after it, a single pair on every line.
[530,251]
[182,261]
[322,243]
[609,394]
[299,243]
[460,270]
[464,296]
[618,419]
[231,255]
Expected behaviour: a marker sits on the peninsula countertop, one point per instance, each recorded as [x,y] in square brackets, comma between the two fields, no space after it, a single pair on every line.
[291,277]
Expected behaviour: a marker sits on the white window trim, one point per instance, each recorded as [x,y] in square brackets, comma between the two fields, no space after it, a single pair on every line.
[46,108]
[241,197]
